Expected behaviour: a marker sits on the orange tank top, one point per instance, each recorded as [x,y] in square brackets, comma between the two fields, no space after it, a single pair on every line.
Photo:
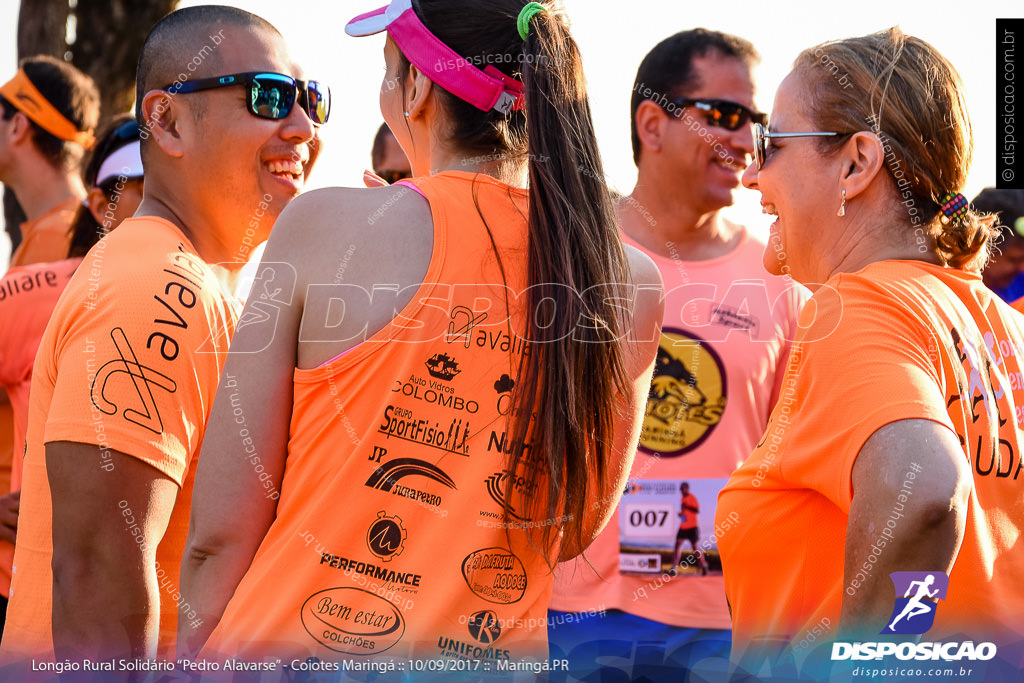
[389,538]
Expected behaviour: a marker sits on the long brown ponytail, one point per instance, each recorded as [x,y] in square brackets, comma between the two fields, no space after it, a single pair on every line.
[568,381]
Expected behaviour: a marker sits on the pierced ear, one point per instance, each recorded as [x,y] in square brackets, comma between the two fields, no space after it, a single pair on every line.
[417,92]
[650,124]
[863,160]
[161,114]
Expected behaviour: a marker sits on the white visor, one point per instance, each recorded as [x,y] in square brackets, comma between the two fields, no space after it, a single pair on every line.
[377,20]
[125,161]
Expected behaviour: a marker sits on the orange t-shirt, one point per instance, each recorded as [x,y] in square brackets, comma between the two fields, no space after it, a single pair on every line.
[27,297]
[688,507]
[389,536]
[894,341]
[724,344]
[46,239]
[141,302]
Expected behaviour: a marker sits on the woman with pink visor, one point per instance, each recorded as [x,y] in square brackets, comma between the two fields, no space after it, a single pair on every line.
[435,390]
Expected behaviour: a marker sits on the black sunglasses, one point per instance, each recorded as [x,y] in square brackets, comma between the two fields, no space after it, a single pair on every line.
[269,95]
[126,132]
[392,177]
[720,113]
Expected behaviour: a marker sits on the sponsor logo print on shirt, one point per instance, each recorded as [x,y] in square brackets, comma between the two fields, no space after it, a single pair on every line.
[731,317]
[484,626]
[386,536]
[914,613]
[457,649]
[463,330]
[352,621]
[387,476]
[395,580]
[16,284]
[442,366]
[497,489]
[496,575]
[434,392]
[402,423]
[687,396]
[103,394]
[504,387]
[461,327]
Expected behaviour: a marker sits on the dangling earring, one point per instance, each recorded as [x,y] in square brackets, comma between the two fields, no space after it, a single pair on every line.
[842,207]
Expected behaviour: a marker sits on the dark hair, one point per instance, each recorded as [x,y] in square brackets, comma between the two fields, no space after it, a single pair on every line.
[567,385]
[181,36]
[379,141]
[905,91]
[85,230]
[71,93]
[668,68]
[1007,206]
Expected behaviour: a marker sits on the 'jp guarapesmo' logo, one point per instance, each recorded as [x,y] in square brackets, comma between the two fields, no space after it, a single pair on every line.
[687,397]
[352,621]
[917,596]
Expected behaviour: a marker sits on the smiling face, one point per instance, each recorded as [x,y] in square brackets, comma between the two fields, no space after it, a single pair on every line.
[798,184]
[242,163]
[707,161]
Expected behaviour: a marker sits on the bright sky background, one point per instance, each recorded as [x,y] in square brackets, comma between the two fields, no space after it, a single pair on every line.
[613,38]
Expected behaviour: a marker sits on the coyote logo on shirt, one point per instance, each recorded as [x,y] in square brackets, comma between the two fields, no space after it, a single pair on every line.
[687,396]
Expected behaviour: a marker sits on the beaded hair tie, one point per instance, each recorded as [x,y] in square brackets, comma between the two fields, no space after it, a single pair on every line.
[954,206]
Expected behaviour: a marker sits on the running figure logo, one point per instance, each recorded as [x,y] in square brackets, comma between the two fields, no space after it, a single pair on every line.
[914,612]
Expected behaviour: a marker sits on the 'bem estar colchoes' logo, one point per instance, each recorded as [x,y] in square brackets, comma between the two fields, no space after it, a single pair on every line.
[917,600]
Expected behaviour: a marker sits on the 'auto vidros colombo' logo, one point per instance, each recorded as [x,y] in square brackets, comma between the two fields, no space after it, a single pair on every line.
[917,596]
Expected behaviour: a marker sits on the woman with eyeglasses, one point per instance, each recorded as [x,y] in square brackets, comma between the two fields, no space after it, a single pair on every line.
[417,420]
[28,294]
[893,456]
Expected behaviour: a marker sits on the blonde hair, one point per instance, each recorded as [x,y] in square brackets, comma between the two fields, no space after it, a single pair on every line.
[901,88]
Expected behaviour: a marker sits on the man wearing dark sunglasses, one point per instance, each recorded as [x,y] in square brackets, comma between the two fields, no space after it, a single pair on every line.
[721,359]
[389,161]
[229,135]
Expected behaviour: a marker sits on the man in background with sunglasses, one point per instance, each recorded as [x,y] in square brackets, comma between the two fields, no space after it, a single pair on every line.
[130,362]
[723,352]
[389,161]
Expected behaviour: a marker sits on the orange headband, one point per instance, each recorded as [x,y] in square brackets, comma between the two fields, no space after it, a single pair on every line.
[24,97]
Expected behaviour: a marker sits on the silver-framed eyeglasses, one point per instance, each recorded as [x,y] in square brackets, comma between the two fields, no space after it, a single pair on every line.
[762,135]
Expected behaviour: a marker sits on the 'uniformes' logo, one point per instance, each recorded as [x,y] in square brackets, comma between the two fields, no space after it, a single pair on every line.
[917,596]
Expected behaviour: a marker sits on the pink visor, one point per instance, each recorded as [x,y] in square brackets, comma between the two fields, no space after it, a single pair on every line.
[485,89]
